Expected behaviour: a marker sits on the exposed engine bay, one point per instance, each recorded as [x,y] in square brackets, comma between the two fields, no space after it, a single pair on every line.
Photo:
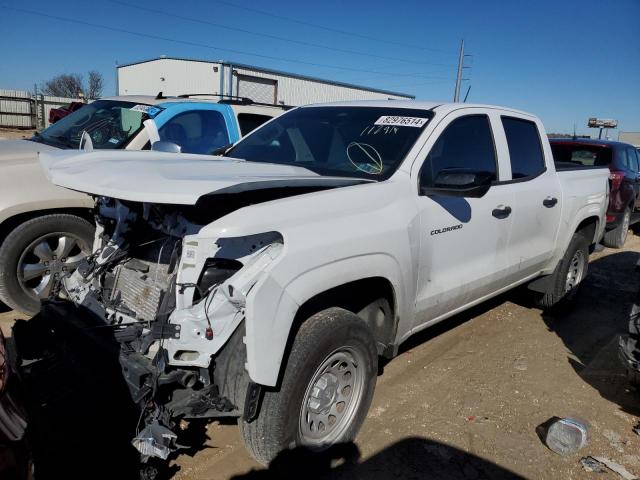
[167,300]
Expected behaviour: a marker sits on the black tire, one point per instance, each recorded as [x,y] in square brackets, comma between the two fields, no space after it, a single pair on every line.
[277,427]
[18,241]
[559,295]
[616,237]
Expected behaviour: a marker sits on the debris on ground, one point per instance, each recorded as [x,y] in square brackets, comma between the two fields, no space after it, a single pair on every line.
[476,419]
[614,467]
[615,440]
[590,464]
[520,363]
[636,429]
[566,435]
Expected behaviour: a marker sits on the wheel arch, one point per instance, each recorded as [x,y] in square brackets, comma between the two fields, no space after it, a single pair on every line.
[10,223]
[274,314]
[589,229]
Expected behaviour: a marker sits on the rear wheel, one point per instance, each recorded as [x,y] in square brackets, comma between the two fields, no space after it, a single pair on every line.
[567,278]
[38,252]
[326,389]
[615,238]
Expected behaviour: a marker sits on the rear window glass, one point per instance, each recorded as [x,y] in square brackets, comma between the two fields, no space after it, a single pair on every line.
[632,160]
[568,155]
[525,150]
[250,121]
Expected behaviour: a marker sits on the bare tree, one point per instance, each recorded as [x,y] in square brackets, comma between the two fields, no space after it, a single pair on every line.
[65,85]
[71,85]
[95,85]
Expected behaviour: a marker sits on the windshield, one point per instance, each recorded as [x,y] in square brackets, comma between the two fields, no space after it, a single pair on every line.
[110,124]
[367,142]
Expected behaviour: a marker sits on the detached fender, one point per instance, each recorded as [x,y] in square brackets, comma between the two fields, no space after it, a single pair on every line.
[271,310]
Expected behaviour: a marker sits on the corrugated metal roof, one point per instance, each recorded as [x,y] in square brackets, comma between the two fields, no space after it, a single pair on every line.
[273,72]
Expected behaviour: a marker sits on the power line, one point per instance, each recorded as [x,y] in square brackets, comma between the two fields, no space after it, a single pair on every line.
[274,37]
[329,29]
[204,45]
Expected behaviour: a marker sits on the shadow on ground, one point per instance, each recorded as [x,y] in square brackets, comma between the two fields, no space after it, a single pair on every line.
[591,329]
[4,308]
[410,458]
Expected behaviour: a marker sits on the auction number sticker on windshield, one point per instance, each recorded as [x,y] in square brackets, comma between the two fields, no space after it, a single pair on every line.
[402,121]
[148,109]
[141,108]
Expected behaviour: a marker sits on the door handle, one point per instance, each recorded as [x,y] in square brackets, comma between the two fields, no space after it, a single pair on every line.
[501,211]
[550,202]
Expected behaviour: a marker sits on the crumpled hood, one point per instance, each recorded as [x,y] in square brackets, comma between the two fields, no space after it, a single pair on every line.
[158,177]
[22,150]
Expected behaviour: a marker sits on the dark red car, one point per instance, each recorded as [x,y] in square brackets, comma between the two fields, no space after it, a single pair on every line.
[56,114]
[624,180]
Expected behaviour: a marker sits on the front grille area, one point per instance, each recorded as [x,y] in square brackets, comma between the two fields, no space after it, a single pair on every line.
[139,282]
[138,288]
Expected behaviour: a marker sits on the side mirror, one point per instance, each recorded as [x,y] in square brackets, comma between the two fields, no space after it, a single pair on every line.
[167,147]
[458,182]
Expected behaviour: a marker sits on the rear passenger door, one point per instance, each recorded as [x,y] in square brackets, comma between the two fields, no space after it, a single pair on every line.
[537,197]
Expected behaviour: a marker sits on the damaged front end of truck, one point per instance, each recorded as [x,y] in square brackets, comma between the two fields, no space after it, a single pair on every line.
[150,309]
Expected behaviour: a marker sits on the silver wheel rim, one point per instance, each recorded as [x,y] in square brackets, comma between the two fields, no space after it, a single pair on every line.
[333,398]
[46,259]
[625,225]
[576,271]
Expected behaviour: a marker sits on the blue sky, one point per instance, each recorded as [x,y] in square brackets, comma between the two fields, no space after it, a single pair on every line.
[562,60]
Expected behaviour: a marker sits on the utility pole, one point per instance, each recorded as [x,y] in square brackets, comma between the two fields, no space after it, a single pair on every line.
[456,94]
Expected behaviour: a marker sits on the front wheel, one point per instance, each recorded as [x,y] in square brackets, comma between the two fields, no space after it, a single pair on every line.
[36,253]
[326,389]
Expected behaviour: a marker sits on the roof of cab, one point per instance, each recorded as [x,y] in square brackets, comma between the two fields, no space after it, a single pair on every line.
[441,107]
[151,100]
[590,141]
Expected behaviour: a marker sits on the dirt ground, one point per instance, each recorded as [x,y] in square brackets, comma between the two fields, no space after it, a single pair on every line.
[14,133]
[463,399]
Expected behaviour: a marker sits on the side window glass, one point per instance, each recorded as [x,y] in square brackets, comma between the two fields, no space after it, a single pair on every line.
[465,145]
[250,121]
[632,160]
[198,131]
[525,149]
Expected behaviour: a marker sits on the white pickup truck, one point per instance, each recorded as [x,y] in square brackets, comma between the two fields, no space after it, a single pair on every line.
[266,284]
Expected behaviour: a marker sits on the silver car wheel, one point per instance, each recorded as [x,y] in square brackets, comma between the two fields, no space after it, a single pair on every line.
[332,398]
[576,271]
[48,258]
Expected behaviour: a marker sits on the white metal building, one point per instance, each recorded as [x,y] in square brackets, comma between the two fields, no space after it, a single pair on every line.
[176,76]
[630,137]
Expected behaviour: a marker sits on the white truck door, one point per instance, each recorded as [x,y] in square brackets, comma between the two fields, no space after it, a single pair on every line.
[536,187]
[463,240]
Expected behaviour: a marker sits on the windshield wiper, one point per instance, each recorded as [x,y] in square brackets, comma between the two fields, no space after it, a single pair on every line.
[221,150]
[63,140]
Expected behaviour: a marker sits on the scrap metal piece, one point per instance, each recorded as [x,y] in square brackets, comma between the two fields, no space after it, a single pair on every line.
[155,440]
